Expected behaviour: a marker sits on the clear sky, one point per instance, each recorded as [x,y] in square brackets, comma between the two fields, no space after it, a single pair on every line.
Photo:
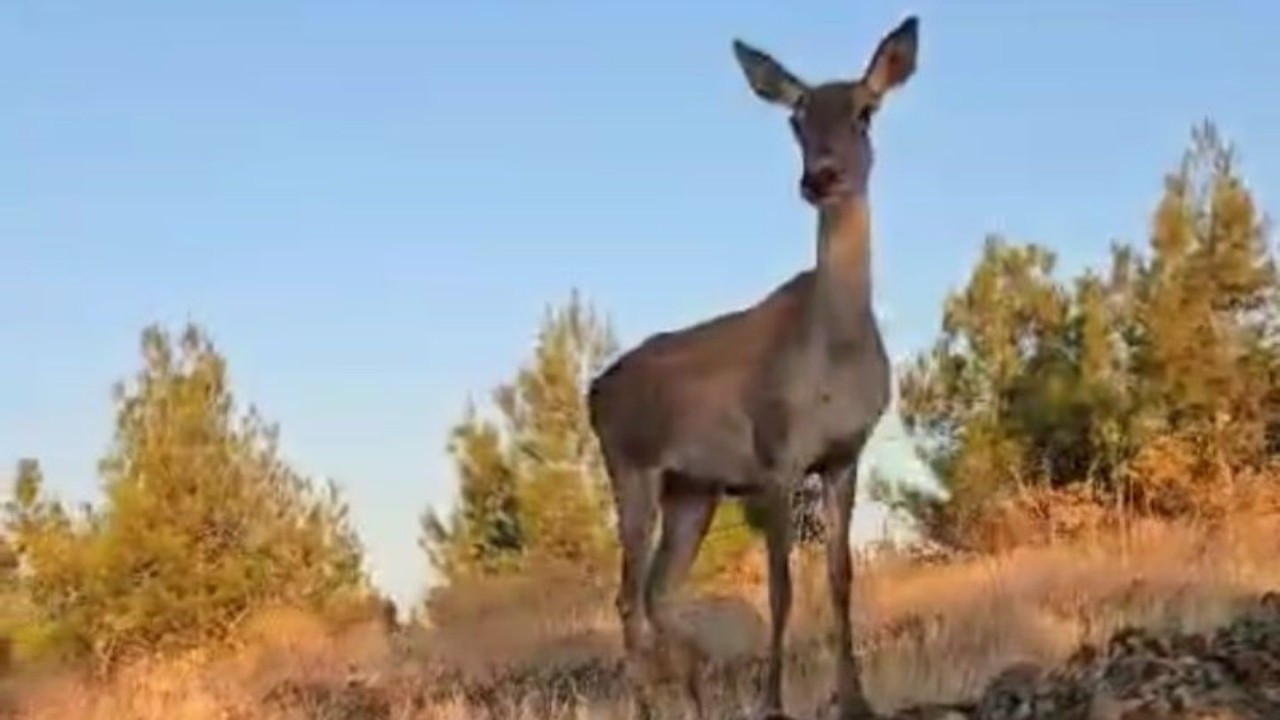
[369,204]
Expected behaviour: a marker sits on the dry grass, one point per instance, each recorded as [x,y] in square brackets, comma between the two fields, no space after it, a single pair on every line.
[929,634]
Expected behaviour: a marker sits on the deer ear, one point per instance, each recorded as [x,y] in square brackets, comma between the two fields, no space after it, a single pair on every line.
[767,77]
[895,58]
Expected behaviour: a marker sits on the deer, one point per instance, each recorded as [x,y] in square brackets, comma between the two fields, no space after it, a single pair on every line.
[749,403]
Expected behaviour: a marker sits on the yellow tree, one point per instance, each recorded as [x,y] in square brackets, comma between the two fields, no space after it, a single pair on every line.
[202,524]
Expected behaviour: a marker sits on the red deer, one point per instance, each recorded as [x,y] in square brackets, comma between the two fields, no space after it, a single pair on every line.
[751,402]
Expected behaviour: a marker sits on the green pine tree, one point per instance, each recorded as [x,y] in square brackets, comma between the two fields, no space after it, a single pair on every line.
[532,488]
[484,536]
[202,524]
[1038,382]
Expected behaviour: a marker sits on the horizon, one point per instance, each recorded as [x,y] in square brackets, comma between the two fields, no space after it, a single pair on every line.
[322,189]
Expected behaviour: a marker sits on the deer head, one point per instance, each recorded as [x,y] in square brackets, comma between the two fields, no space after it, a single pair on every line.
[831,121]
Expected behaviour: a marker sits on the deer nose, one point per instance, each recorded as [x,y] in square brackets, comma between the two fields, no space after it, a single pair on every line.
[817,182]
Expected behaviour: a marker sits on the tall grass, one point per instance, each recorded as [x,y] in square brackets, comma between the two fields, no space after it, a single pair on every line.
[927,634]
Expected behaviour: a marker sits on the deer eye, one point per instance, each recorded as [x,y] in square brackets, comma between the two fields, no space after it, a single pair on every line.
[865,113]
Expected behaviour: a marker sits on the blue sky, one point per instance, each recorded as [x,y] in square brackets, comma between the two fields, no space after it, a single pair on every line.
[370,204]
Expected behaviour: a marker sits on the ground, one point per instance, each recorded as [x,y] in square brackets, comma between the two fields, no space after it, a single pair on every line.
[1165,623]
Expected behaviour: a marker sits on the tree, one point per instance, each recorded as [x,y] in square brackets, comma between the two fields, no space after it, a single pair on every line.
[532,486]
[1035,382]
[37,548]
[562,486]
[484,536]
[1205,345]
[203,522]
[1001,360]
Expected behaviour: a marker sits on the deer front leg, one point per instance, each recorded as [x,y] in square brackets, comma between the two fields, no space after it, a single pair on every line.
[839,491]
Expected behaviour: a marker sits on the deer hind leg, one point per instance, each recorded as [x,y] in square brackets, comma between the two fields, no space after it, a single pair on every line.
[685,519]
[839,491]
[636,498]
[774,505]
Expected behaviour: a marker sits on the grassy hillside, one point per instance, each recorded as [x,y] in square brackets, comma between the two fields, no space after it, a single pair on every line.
[931,633]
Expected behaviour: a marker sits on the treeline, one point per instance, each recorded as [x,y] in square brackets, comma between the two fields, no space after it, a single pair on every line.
[1150,387]
[1047,405]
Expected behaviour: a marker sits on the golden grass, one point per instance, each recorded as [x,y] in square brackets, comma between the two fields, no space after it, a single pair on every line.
[929,634]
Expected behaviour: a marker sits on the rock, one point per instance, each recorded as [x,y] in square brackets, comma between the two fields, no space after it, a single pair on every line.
[1012,694]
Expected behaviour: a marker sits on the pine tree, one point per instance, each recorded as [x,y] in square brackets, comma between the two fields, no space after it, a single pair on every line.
[484,536]
[1207,301]
[980,393]
[562,487]
[1171,359]
[36,544]
[532,487]
[1204,353]
[202,524]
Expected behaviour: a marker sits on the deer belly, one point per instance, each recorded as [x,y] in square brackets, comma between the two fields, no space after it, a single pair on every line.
[716,453]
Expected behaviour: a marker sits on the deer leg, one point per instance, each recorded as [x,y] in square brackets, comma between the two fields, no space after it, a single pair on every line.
[685,519]
[776,509]
[839,491]
[635,495]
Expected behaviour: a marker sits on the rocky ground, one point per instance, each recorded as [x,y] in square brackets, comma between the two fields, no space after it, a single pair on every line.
[1230,674]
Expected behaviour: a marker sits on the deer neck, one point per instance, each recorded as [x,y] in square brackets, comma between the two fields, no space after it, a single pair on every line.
[843,277]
